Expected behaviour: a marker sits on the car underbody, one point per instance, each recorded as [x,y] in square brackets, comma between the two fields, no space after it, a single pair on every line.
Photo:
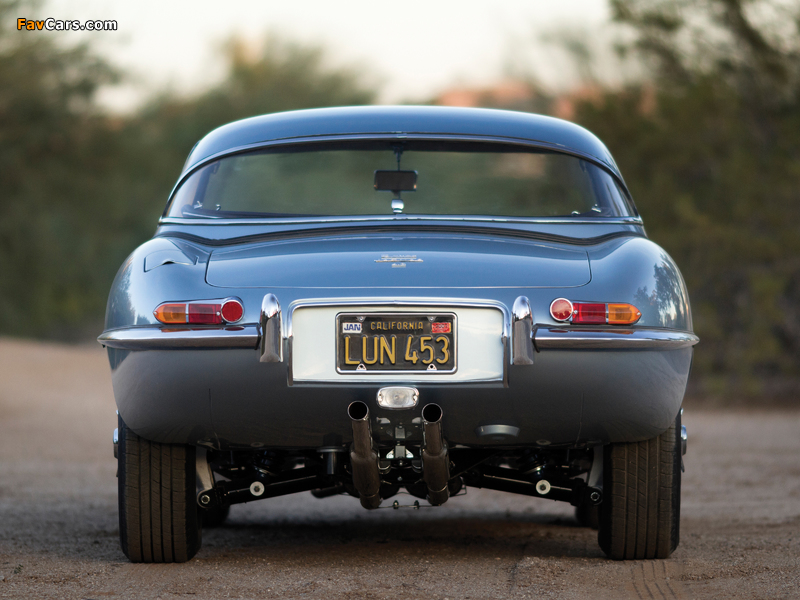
[426,471]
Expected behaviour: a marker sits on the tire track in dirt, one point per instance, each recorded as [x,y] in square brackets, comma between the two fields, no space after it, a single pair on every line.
[657,580]
[128,579]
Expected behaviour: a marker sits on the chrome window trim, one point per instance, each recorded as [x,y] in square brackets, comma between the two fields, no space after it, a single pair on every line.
[638,338]
[611,169]
[398,135]
[400,219]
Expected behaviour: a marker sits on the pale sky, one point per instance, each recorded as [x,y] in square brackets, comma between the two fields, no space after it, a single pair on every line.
[414,49]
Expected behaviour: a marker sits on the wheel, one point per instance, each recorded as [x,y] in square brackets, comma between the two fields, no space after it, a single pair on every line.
[587,516]
[214,517]
[158,513]
[640,513]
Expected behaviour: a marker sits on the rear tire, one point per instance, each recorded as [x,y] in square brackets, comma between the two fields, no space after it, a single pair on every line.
[640,513]
[158,513]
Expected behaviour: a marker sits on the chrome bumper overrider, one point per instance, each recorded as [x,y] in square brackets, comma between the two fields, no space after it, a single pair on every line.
[248,336]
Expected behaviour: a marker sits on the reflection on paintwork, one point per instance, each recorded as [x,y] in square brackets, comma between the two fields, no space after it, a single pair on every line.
[665,304]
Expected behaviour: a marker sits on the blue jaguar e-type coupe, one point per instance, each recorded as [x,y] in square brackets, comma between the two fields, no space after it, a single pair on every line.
[374,299]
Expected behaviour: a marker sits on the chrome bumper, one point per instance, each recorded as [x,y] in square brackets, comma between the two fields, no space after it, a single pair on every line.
[562,338]
[158,338]
[249,336]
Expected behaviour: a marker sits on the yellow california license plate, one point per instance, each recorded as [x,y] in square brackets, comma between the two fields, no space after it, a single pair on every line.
[396,343]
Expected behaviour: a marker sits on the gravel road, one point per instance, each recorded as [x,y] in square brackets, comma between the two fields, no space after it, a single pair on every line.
[740,528]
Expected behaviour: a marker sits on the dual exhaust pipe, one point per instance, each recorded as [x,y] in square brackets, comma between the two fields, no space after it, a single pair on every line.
[435,462]
[364,457]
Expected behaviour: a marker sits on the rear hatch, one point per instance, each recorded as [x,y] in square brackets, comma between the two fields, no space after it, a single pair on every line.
[399,261]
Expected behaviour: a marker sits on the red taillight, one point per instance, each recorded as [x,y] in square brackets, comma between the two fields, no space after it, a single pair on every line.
[204,314]
[594,313]
[196,313]
[561,309]
[232,311]
[589,314]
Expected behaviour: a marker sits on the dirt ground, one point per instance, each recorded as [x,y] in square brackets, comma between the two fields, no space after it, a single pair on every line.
[740,528]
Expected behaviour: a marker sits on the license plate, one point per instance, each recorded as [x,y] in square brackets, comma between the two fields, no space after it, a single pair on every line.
[396,343]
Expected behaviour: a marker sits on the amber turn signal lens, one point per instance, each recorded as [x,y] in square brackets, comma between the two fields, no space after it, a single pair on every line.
[171,313]
[623,314]
[561,309]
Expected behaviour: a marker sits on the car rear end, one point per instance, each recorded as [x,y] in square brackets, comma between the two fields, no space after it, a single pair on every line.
[424,349]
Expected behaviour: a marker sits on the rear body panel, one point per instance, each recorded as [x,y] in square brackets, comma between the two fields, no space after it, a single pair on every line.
[497,275]
[227,398]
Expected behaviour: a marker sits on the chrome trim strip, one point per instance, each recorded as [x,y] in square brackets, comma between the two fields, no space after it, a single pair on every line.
[400,219]
[271,347]
[522,326]
[162,338]
[558,338]
[395,302]
[684,439]
[387,258]
[497,429]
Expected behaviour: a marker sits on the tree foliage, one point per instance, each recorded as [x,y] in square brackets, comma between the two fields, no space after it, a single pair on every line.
[710,147]
[80,190]
[54,150]
[709,143]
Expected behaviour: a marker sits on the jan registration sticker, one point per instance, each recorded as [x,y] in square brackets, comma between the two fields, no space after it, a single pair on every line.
[351,327]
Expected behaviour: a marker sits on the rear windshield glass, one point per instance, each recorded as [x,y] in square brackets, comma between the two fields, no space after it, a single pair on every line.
[452,178]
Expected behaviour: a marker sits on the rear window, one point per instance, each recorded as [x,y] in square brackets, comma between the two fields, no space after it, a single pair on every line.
[453,178]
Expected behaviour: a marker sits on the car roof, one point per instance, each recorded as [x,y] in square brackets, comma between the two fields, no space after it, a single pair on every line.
[398,120]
